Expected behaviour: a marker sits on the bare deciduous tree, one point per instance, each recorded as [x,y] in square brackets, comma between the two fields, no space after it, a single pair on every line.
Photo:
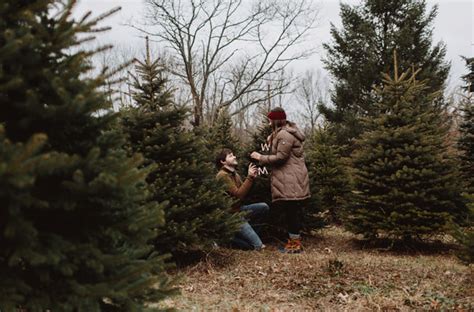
[313,90]
[226,49]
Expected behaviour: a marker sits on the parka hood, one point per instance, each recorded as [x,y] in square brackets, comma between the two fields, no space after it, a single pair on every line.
[293,129]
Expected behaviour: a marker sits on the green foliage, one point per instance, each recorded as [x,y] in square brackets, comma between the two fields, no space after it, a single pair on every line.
[198,212]
[465,234]
[405,181]
[329,177]
[261,190]
[221,135]
[363,48]
[74,227]
[466,138]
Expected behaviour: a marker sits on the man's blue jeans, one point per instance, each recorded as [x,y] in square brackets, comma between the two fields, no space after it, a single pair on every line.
[255,209]
[246,238]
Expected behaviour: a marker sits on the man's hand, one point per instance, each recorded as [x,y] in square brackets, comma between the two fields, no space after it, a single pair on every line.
[252,171]
[255,155]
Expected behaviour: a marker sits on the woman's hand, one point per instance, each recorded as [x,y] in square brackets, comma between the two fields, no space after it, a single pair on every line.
[256,156]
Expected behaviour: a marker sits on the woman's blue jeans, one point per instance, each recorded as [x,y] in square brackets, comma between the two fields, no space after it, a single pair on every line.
[246,238]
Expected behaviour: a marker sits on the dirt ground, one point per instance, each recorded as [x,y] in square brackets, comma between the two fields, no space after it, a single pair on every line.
[335,273]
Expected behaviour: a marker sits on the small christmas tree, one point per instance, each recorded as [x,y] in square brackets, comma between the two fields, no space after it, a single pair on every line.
[198,212]
[221,135]
[465,234]
[329,180]
[261,190]
[74,226]
[405,182]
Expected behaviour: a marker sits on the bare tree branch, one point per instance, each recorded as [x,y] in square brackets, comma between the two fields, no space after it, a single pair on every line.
[312,90]
[226,49]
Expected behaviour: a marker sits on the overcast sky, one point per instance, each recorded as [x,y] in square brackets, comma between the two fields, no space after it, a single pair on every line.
[453,25]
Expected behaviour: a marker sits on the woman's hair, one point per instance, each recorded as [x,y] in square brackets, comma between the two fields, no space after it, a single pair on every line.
[221,156]
[277,123]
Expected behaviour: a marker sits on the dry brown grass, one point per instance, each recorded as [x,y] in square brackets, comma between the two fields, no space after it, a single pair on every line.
[333,274]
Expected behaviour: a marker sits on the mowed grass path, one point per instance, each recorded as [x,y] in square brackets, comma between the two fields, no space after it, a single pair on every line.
[335,273]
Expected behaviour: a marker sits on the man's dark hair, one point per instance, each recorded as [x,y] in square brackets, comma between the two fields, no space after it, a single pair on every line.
[221,156]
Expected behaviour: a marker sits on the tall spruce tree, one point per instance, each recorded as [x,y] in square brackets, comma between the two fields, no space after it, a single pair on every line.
[465,233]
[198,212]
[362,49]
[74,227]
[329,178]
[466,129]
[405,181]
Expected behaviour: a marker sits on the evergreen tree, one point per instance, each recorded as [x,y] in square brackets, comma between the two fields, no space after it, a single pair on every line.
[198,212]
[74,226]
[464,233]
[466,129]
[329,179]
[405,181]
[273,222]
[221,135]
[362,49]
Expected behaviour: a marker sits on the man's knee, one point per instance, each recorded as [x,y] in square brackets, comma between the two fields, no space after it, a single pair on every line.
[265,207]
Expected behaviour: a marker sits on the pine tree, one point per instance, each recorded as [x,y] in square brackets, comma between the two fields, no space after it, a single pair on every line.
[74,226]
[362,49]
[329,178]
[405,181]
[464,232]
[221,135]
[198,212]
[466,129]
[261,189]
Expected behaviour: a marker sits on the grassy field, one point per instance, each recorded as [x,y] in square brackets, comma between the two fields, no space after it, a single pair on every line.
[335,273]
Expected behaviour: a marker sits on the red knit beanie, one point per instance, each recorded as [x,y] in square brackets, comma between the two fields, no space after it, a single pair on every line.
[277,114]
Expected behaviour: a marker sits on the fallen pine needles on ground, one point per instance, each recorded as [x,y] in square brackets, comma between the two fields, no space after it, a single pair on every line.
[335,273]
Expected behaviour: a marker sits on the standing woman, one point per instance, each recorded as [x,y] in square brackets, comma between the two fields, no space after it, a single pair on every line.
[289,179]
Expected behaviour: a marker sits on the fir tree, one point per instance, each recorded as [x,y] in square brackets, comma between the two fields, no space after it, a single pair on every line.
[261,190]
[221,135]
[362,49]
[74,226]
[405,181]
[329,179]
[198,212]
[464,232]
[466,129]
